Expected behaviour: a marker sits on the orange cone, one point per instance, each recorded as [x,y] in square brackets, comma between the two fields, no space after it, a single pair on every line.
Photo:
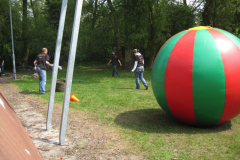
[74,98]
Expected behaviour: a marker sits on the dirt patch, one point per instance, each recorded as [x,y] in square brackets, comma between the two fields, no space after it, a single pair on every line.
[86,138]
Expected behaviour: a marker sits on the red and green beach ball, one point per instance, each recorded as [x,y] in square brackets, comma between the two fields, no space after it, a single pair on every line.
[196,76]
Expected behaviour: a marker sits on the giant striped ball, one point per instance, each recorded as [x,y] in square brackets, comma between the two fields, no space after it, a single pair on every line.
[196,76]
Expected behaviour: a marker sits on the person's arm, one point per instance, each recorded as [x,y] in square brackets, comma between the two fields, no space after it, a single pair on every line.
[49,64]
[47,61]
[109,61]
[120,62]
[35,62]
[135,66]
[3,63]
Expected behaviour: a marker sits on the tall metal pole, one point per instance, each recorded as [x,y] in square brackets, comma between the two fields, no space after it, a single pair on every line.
[13,55]
[56,63]
[70,68]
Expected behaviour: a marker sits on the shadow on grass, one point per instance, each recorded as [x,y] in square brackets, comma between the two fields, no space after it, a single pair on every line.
[132,88]
[157,121]
[26,92]
[88,81]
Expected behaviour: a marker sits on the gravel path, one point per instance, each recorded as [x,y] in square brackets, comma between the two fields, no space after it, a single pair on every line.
[86,138]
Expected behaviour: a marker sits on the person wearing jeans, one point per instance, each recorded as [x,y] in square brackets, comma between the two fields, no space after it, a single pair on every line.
[115,70]
[138,69]
[42,79]
[114,59]
[40,62]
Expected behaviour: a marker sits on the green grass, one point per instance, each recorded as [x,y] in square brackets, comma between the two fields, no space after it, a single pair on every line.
[136,115]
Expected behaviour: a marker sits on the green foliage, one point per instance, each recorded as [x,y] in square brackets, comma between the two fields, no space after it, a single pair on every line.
[222,14]
[5,32]
[52,12]
[180,18]
[107,25]
[237,33]
[130,24]
[5,36]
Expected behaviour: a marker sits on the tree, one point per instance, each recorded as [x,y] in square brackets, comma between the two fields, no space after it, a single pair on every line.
[107,25]
[114,15]
[5,36]
[5,32]
[221,14]
[25,34]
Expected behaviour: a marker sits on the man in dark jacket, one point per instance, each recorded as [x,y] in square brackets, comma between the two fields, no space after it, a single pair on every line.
[114,59]
[40,62]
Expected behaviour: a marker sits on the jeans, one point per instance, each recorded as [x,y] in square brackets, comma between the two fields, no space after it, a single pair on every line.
[139,74]
[42,79]
[2,70]
[115,70]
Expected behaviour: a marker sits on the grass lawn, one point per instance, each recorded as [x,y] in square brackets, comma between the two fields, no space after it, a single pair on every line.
[137,117]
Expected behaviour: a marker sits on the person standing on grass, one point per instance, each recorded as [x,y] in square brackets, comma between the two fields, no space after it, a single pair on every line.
[138,69]
[114,59]
[2,66]
[40,62]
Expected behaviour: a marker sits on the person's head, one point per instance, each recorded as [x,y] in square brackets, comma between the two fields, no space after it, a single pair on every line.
[135,51]
[45,50]
[113,52]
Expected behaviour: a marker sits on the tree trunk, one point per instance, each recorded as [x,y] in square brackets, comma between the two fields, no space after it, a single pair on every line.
[35,16]
[128,58]
[117,43]
[25,35]
[150,60]
[214,14]
[116,28]
[185,2]
[152,39]
[206,13]
[94,13]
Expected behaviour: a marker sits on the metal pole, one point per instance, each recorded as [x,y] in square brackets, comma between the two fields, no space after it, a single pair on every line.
[71,60]
[13,56]
[56,63]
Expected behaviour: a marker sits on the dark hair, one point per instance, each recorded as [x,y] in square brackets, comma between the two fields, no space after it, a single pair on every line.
[114,51]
